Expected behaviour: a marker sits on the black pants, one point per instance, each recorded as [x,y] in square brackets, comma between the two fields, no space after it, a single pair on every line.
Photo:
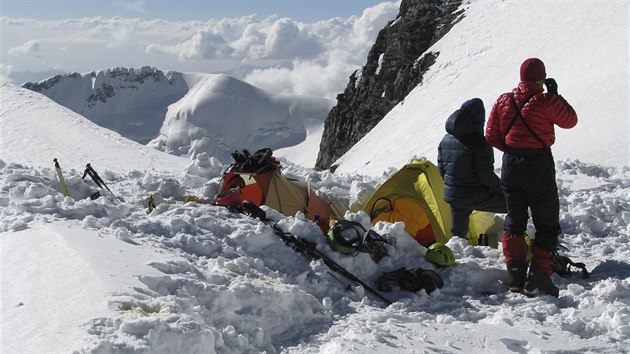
[528,180]
[460,213]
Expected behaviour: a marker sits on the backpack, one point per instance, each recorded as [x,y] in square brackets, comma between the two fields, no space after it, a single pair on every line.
[260,161]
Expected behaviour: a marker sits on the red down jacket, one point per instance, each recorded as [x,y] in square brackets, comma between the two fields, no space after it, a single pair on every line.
[541,112]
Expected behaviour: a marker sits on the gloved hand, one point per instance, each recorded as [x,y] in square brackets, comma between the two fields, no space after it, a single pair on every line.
[552,86]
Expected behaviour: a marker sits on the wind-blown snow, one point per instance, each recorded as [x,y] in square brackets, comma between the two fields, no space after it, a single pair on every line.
[584,46]
[103,276]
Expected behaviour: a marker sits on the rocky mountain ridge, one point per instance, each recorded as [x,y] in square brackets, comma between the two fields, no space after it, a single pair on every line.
[395,65]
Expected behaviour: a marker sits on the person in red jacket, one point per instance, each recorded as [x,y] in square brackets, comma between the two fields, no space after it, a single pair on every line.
[521,124]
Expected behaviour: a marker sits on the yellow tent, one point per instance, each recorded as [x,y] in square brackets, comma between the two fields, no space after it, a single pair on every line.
[415,196]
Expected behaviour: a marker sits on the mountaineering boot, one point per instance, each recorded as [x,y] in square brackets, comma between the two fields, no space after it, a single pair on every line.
[515,251]
[517,273]
[539,279]
[539,276]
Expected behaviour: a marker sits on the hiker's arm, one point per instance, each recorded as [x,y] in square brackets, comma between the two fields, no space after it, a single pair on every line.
[493,130]
[440,161]
[563,113]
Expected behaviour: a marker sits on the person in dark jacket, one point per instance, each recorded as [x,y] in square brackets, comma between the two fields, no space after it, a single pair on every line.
[466,163]
[521,124]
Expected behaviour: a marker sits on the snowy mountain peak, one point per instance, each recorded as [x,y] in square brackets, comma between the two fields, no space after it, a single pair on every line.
[106,83]
[220,114]
[132,102]
[188,113]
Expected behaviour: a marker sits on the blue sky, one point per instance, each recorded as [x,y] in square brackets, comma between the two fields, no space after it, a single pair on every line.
[181,10]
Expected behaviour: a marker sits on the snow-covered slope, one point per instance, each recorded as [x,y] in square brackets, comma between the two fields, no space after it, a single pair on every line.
[47,303]
[584,46]
[103,276]
[35,130]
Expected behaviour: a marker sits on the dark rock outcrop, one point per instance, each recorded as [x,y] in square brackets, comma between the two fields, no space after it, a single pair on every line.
[395,65]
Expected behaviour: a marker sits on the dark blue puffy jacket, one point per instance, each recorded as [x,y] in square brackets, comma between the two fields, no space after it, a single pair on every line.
[465,159]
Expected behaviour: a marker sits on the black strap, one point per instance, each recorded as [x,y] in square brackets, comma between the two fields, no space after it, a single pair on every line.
[374,245]
[518,114]
[580,265]
[563,264]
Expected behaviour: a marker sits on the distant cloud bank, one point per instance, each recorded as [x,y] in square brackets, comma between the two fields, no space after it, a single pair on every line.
[322,54]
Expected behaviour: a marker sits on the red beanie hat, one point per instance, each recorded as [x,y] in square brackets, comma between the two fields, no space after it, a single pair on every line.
[533,69]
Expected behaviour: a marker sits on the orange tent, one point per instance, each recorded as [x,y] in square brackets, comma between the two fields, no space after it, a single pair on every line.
[288,196]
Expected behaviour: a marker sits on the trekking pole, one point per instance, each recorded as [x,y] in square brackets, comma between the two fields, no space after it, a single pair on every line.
[62,180]
[89,171]
[95,177]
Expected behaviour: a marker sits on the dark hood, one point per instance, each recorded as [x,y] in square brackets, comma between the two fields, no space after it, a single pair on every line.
[467,120]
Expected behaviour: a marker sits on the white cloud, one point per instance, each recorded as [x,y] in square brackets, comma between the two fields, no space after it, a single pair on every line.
[119,36]
[330,50]
[305,78]
[374,19]
[248,44]
[6,21]
[344,48]
[205,45]
[287,39]
[28,48]
[247,40]
[5,71]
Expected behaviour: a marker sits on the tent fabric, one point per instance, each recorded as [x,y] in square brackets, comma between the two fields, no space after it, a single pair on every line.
[415,196]
[483,222]
[287,196]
